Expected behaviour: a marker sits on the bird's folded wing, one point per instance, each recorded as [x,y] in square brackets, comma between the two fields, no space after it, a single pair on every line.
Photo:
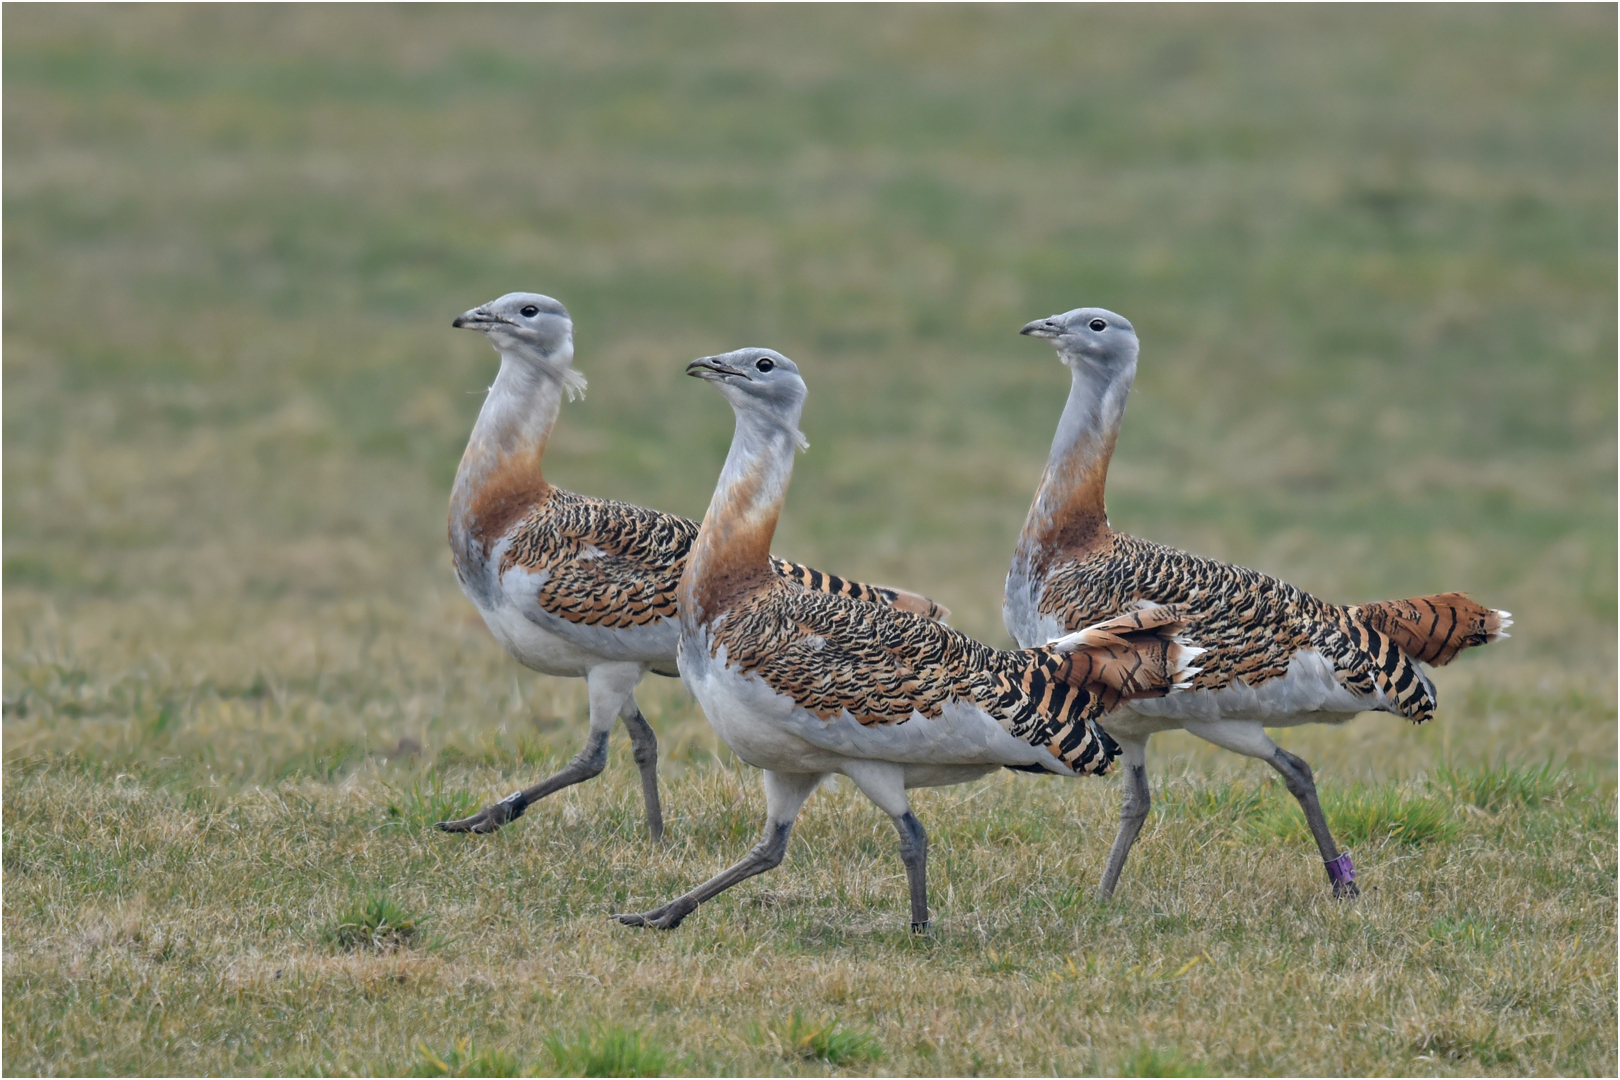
[1249,624]
[599,563]
[602,563]
[831,655]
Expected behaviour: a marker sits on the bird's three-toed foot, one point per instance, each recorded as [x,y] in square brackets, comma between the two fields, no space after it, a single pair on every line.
[491,817]
[667,917]
[1346,891]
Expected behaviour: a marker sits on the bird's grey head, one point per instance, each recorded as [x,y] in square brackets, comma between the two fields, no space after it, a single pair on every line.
[1097,336]
[531,328]
[761,382]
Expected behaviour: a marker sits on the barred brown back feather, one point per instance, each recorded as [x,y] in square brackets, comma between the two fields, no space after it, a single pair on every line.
[888,596]
[1131,655]
[615,564]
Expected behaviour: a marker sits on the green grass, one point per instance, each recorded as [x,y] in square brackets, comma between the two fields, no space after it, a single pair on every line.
[826,1039]
[463,1060]
[1502,785]
[1150,1062]
[609,1051]
[1222,951]
[1371,256]
[374,921]
[1362,815]
[424,801]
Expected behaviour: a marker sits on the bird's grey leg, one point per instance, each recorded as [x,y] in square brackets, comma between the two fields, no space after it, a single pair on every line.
[644,745]
[1248,737]
[1302,786]
[610,685]
[587,763]
[1135,800]
[885,784]
[914,853]
[785,793]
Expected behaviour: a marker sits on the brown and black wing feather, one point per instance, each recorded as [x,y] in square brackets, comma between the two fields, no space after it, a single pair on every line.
[618,565]
[882,666]
[606,563]
[1251,625]
[899,599]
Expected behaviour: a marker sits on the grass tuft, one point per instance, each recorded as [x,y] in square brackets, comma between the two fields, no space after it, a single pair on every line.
[1499,786]
[1148,1061]
[1362,815]
[376,922]
[609,1051]
[425,803]
[1452,1044]
[825,1040]
[1476,933]
[1233,802]
[463,1060]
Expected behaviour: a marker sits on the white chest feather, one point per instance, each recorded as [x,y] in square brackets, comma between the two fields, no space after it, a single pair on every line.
[534,646]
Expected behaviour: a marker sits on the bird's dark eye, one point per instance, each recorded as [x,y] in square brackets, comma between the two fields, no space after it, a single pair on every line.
[530,311]
[764,363]
[1098,324]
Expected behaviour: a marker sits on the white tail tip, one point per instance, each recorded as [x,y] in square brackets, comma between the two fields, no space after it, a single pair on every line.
[1184,659]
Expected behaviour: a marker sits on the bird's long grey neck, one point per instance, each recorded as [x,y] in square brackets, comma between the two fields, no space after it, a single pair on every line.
[733,547]
[499,479]
[1069,502]
[516,419]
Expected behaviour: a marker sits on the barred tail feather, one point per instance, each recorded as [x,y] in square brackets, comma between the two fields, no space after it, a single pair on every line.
[1063,688]
[1434,629]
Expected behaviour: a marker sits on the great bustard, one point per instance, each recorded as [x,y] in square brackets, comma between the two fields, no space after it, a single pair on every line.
[1276,657]
[572,585]
[805,684]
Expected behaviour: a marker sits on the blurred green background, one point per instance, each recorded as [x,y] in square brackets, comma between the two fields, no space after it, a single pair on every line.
[1370,253]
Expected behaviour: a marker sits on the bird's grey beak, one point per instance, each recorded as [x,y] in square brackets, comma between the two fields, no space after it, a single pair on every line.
[1042,328]
[476,319]
[714,369]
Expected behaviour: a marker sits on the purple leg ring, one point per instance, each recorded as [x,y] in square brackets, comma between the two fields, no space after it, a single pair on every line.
[1340,871]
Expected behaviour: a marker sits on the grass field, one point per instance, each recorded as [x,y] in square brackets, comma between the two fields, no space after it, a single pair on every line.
[1371,256]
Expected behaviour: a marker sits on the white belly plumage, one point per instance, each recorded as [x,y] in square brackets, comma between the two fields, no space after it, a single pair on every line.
[1308,693]
[768,730]
[535,647]
[555,646]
